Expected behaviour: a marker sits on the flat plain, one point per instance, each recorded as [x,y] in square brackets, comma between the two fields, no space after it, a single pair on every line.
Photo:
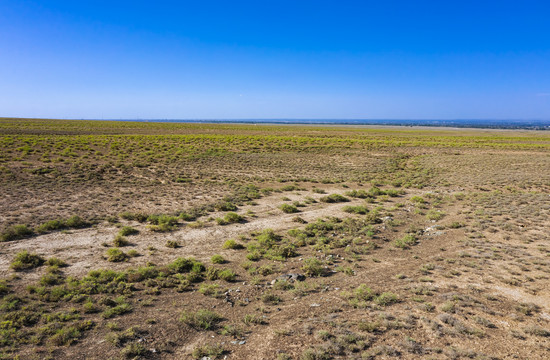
[177,240]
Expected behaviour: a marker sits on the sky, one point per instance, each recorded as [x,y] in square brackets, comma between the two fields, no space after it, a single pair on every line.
[275,59]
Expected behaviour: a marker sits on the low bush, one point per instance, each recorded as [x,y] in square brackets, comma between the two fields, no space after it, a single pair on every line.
[313,267]
[173,244]
[217,259]
[289,209]
[232,244]
[356,209]
[201,320]
[162,223]
[230,218]
[53,261]
[134,216]
[25,260]
[227,275]
[208,352]
[433,214]
[75,222]
[225,206]
[15,232]
[334,198]
[406,241]
[120,241]
[116,255]
[128,230]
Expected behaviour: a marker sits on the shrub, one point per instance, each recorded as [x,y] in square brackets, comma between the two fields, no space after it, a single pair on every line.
[182,265]
[133,253]
[433,214]
[217,259]
[207,352]
[162,223]
[392,193]
[187,217]
[406,241]
[418,200]
[213,290]
[375,191]
[268,238]
[227,275]
[115,255]
[299,220]
[53,261]
[361,194]
[225,206]
[15,232]
[386,298]
[134,216]
[356,209]
[334,198]
[120,309]
[289,209]
[363,293]
[201,320]
[120,241]
[232,244]
[254,256]
[134,350]
[50,226]
[25,260]
[265,270]
[313,267]
[4,288]
[173,244]
[230,218]
[65,336]
[455,225]
[250,319]
[75,222]
[51,279]
[269,298]
[128,230]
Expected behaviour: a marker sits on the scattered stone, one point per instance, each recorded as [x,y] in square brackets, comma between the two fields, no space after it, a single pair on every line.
[315,305]
[291,277]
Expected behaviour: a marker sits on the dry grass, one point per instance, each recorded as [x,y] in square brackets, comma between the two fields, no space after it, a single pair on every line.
[440,251]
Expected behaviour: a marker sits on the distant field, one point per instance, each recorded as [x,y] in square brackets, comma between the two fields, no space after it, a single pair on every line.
[174,240]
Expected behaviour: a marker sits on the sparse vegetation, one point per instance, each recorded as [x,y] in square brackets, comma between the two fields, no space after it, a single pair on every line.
[339,282]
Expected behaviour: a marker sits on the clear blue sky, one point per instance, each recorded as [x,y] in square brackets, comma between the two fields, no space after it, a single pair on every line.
[275,59]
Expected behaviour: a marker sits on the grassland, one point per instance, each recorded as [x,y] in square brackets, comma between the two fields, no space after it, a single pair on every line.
[171,241]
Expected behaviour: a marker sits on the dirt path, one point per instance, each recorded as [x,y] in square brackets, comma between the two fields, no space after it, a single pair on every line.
[84,249]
